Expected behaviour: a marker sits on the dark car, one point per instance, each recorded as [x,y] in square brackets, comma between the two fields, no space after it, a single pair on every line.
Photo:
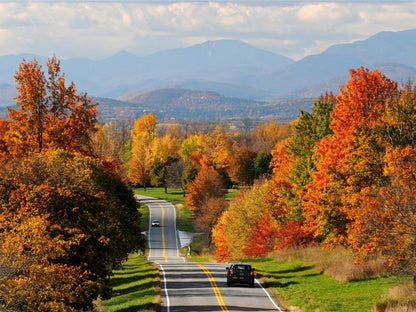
[241,273]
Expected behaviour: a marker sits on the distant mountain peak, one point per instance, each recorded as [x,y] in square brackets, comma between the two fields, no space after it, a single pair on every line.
[122,55]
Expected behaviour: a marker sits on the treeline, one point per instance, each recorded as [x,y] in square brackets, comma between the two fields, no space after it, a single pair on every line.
[67,217]
[345,177]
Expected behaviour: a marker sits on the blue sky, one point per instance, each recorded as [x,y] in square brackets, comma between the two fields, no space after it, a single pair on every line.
[99,28]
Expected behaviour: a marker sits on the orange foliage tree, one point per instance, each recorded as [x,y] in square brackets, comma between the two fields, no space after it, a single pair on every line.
[205,191]
[385,223]
[351,159]
[50,114]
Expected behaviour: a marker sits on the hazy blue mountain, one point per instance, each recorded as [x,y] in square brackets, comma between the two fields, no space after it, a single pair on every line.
[384,47]
[7,93]
[397,72]
[222,61]
[9,64]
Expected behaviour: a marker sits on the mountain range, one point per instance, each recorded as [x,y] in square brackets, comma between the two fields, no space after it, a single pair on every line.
[228,70]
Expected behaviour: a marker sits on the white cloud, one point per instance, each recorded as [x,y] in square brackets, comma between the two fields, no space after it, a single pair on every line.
[98,29]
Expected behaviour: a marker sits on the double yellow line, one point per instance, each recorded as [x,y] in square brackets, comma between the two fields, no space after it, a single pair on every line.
[214,287]
[163,232]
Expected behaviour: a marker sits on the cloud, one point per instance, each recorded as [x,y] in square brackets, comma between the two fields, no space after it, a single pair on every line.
[98,29]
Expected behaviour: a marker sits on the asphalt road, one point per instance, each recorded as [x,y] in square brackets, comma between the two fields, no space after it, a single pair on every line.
[195,286]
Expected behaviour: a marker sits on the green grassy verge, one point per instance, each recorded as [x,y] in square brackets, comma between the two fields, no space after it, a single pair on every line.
[144,219]
[135,287]
[175,196]
[301,285]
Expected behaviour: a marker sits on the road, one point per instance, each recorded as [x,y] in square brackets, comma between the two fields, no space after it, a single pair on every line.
[190,287]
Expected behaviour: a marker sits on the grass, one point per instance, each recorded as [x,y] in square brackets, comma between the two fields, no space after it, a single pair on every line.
[303,286]
[175,196]
[144,219]
[135,287]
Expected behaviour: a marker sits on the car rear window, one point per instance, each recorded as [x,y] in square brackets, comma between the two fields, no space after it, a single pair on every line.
[243,267]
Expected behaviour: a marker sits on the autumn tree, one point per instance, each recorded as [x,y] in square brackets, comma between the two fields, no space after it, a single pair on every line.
[268,134]
[209,213]
[143,134]
[190,145]
[145,124]
[242,170]
[50,114]
[206,187]
[218,146]
[233,234]
[293,165]
[349,161]
[109,140]
[385,224]
[85,205]
[29,279]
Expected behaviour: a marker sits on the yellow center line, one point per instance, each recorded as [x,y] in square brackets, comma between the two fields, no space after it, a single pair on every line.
[214,287]
[163,233]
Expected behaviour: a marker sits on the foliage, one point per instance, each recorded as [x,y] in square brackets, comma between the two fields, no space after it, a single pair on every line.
[262,164]
[268,134]
[238,228]
[50,115]
[205,196]
[242,171]
[109,140]
[81,199]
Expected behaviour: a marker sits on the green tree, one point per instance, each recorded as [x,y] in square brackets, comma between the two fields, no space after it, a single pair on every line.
[262,164]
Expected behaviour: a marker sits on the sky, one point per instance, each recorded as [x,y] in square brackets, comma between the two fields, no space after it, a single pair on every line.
[100,28]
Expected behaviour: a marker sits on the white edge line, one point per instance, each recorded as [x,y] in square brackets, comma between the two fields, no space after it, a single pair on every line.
[166,288]
[270,297]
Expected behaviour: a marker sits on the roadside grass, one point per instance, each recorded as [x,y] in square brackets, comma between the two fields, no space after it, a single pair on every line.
[301,287]
[144,219]
[401,298]
[135,287]
[174,195]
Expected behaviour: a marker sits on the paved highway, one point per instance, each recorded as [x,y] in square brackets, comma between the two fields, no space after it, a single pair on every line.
[195,287]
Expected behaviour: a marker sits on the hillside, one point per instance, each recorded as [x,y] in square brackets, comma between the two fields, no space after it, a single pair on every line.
[178,104]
